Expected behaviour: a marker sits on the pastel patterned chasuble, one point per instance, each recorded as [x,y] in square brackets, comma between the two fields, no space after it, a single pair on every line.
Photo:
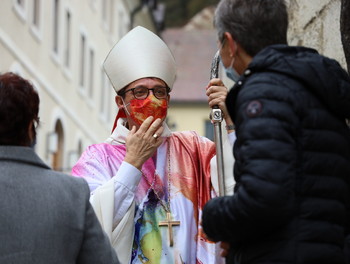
[190,188]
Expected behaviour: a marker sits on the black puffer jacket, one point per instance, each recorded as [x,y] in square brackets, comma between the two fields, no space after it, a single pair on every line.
[292,197]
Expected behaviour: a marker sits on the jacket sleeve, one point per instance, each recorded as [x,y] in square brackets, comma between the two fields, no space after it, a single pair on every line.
[95,247]
[265,161]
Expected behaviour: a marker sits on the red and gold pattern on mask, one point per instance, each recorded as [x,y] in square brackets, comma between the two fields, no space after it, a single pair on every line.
[151,106]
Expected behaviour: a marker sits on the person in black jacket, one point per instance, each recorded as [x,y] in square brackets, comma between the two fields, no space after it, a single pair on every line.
[290,106]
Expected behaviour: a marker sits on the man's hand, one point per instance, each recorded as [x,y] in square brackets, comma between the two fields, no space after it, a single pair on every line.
[217,93]
[141,144]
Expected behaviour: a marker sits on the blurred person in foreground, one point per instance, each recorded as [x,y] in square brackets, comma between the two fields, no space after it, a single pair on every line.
[46,216]
[292,152]
[144,176]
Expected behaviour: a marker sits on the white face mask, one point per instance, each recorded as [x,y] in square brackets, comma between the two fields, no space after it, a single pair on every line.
[232,73]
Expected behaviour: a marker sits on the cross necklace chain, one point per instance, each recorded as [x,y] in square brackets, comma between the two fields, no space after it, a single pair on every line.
[167,222]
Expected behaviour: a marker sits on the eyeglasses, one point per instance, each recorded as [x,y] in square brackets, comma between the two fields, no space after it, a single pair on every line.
[142,92]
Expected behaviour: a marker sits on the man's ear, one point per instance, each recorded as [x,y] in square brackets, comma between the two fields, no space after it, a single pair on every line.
[119,101]
[232,44]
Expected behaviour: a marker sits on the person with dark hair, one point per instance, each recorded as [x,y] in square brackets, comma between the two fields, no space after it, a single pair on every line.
[19,106]
[46,216]
[290,106]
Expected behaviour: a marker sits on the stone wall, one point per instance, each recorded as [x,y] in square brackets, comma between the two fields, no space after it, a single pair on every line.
[316,24]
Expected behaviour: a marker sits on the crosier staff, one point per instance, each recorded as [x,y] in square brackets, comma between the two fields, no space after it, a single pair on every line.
[216,118]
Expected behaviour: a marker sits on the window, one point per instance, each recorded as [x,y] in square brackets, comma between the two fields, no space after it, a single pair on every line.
[57,161]
[91,73]
[67,40]
[21,4]
[20,8]
[80,148]
[106,14]
[209,130]
[36,13]
[104,11]
[105,103]
[111,17]
[73,157]
[56,26]
[103,91]
[93,4]
[35,19]
[123,23]
[108,103]
[120,24]
[82,60]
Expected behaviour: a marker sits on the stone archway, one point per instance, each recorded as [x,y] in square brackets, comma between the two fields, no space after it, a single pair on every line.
[57,160]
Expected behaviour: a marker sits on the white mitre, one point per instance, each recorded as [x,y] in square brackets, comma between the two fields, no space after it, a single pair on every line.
[139,54]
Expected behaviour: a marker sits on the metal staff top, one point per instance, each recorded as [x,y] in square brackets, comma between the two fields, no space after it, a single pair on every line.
[214,70]
[216,118]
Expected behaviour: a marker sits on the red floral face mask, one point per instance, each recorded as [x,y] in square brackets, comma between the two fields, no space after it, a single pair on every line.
[151,106]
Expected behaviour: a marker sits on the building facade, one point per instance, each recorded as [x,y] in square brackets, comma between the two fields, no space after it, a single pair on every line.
[60,46]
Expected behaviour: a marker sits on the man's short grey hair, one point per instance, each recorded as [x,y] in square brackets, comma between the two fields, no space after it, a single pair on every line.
[254,24]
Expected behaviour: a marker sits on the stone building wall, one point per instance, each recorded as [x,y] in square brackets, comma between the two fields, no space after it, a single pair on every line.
[316,24]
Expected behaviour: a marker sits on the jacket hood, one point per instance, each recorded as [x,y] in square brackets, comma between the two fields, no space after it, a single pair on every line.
[324,77]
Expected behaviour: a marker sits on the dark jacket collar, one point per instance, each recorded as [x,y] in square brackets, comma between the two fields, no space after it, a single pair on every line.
[22,155]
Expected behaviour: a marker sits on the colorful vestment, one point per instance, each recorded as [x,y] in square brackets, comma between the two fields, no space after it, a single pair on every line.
[180,174]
